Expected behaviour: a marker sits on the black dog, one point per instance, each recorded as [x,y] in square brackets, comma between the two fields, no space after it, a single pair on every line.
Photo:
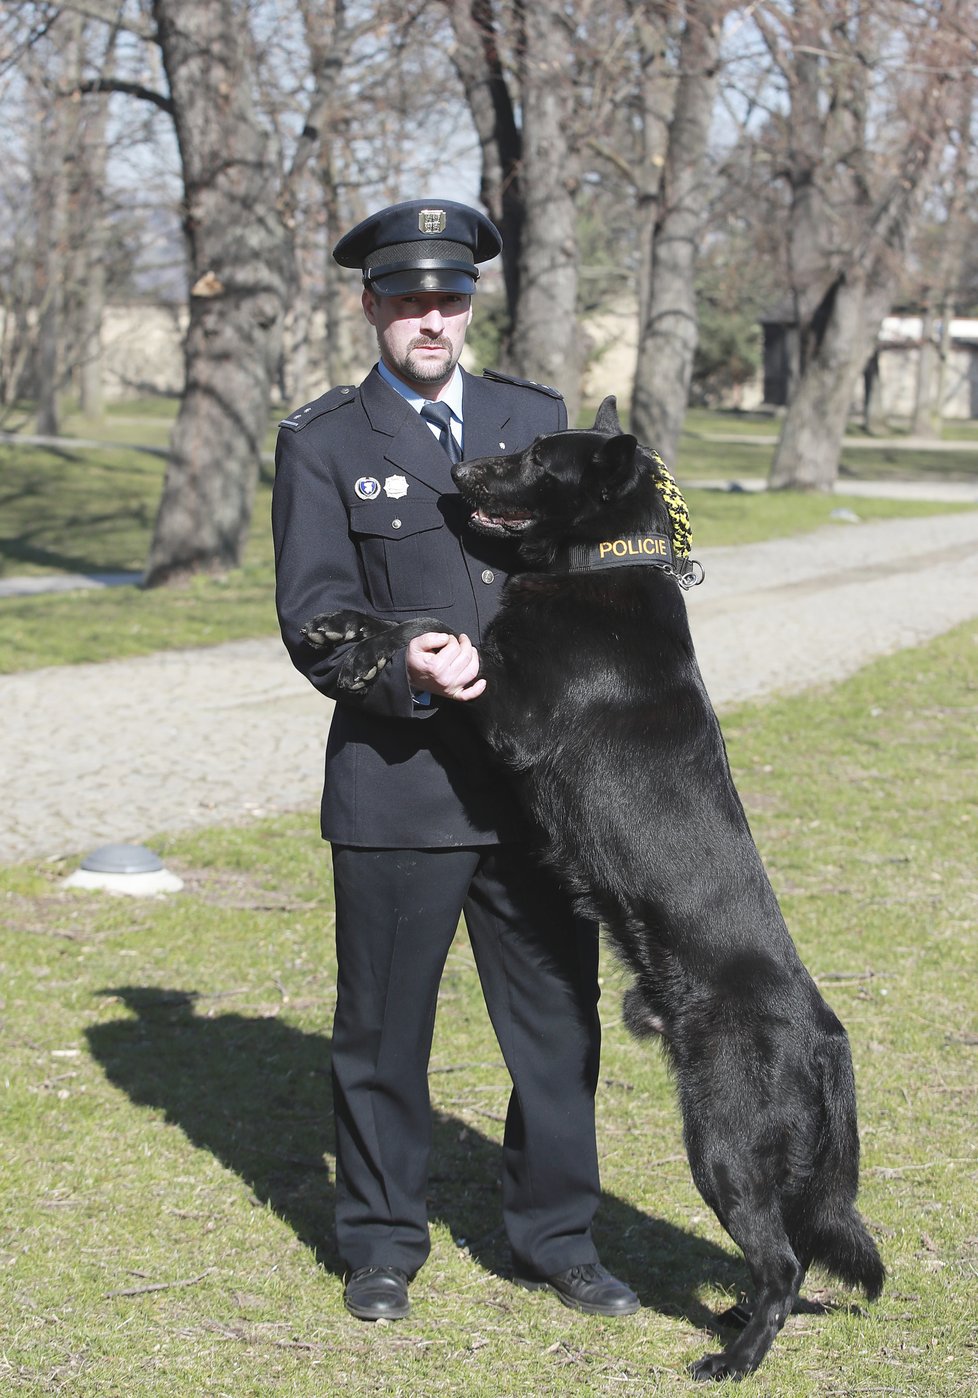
[595,705]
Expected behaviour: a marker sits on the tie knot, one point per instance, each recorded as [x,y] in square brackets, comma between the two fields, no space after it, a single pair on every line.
[438,413]
[441,415]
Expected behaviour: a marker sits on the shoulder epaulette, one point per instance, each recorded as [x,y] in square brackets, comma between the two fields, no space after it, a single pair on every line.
[333,398]
[522,383]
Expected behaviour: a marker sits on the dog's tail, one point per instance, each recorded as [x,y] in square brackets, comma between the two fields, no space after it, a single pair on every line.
[828,1228]
[842,1243]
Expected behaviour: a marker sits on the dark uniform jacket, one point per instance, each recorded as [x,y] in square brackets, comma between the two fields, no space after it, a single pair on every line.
[365,515]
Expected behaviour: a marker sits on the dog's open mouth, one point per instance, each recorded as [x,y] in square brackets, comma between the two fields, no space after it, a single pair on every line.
[502,522]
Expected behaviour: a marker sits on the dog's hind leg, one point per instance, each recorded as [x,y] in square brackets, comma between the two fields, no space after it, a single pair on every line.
[777,1275]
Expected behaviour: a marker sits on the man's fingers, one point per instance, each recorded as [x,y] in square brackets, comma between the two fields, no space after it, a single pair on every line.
[444,665]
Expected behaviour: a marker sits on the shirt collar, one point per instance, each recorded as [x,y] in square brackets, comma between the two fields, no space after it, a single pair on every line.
[452,394]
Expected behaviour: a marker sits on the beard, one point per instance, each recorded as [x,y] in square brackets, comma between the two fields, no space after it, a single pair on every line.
[420,367]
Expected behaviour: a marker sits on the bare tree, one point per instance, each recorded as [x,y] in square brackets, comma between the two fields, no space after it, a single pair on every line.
[546,341]
[524,58]
[946,265]
[478,58]
[867,92]
[55,145]
[86,277]
[238,249]
[674,215]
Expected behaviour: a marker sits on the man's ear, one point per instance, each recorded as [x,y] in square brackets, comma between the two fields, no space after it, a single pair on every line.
[606,419]
[619,466]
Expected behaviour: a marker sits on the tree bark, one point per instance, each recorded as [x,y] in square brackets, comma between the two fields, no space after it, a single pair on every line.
[668,331]
[932,364]
[239,260]
[87,222]
[477,62]
[924,422]
[546,337]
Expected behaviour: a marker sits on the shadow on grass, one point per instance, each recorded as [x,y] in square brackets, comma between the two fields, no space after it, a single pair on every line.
[256,1094]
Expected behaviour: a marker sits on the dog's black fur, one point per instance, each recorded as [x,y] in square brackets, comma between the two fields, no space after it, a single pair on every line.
[595,704]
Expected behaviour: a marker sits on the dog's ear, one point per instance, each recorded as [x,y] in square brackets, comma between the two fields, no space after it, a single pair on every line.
[607,417]
[619,466]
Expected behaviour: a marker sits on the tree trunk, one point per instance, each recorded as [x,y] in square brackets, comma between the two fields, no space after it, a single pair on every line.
[923,423]
[943,362]
[807,454]
[846,235]
[349,339]
[546,336]
[53,160]
[668,333]
[49,353]
[239,258]
[477,61]
[87,220]
[657,99]
[874,419]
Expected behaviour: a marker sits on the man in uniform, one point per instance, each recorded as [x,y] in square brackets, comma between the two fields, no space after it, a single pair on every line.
[422,828]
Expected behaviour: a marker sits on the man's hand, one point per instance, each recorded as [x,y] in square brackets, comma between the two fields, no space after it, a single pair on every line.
[444,665]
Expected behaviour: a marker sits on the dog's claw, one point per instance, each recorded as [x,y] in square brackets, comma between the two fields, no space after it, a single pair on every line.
[334,628]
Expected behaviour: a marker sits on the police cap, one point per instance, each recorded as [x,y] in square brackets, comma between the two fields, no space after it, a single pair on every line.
[422,245]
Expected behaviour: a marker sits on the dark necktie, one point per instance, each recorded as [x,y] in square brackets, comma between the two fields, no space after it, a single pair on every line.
[441,415]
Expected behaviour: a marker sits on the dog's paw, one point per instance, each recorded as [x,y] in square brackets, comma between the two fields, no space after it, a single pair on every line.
[330,629]
[714,1367]
[360,668]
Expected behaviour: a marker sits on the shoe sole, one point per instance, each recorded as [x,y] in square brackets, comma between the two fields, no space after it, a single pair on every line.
[530,1285]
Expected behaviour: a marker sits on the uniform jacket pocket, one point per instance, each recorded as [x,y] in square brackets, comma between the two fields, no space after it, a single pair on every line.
[404,548]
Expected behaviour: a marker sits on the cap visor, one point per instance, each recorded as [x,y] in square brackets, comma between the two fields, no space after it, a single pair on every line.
[422,279]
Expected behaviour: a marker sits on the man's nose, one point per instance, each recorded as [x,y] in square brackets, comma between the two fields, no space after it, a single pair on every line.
[433,321]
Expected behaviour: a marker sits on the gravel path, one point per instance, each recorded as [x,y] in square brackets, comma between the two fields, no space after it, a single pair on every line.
[127,749]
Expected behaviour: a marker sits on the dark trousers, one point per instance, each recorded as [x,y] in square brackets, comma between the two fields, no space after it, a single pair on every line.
[396,915]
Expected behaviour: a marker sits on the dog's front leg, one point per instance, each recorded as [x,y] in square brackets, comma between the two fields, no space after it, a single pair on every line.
[373,641]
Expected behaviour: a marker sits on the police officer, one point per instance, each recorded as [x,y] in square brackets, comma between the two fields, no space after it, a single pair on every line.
[422,829]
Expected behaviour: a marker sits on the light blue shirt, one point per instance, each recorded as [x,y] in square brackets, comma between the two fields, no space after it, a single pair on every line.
[452,395]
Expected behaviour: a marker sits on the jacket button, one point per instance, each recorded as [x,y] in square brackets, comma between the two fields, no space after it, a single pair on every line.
[488,576]
[395,524]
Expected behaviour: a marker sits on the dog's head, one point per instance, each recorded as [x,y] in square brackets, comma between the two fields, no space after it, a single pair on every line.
[573,485]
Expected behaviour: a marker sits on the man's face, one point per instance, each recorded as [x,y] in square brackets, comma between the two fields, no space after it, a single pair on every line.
[420,334]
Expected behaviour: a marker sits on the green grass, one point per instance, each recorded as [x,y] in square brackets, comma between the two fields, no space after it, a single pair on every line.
[701,458]
[167,1123]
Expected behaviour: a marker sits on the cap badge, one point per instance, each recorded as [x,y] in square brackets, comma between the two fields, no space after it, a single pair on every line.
[395,487]
[367,487]
[432,220]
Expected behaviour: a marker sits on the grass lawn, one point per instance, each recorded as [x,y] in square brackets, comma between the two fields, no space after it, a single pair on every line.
[168,1171]
[91,510]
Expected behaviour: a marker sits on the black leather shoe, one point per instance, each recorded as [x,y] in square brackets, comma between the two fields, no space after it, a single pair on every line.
[377,1293]
[589,1288]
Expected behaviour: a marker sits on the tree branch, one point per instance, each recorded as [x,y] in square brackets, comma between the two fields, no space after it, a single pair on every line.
[145,94]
